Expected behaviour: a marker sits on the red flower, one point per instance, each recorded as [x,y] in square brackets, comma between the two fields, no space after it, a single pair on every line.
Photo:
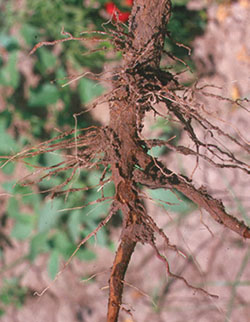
[116,13]
[129,3]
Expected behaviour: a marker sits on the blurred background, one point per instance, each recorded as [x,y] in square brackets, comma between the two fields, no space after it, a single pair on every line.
[36,239]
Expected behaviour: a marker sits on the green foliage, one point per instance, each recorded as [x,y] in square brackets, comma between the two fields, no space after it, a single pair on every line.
[180,2]
[9,75]
[53,263]
[23,227]
[186,24]
[38,244]
[172,201]
[29,33]
[9,168]
[45,95]
[8,144]
[168,130]
[49,215]
[183,27]
[88,90]
[12,293]
[53,231]
[46,61]
[73,223]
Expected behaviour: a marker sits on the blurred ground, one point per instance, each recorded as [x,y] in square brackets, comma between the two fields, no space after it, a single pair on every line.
[218,259]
